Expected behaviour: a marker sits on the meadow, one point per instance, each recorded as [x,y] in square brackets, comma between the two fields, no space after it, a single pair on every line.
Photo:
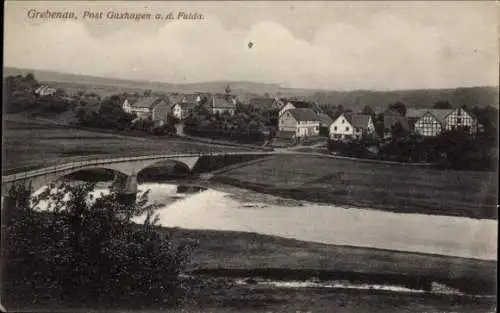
[31,145]
[396,188]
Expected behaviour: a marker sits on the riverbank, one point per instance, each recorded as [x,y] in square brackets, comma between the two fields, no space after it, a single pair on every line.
[244,254]
[251,272]
[230,271]
[395,188]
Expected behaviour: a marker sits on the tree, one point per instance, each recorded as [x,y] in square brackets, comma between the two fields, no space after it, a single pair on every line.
[227,90]
[335,113]
[89,247]
[147,93]
[399,107]
[30,77]
[368,111]
[397,130]
[442,104]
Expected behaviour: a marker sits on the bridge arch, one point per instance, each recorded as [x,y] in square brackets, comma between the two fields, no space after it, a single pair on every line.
[44,180]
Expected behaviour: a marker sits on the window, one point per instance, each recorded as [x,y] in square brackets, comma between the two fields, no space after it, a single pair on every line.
[334,127]
[459,120]
[342,121]
[347,128]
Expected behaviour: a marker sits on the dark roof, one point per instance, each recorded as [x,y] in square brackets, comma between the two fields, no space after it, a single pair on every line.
[324,119]
[263,103]
[147,102]
[439,114]
[183,98]
[221,101]
[300,104]
[392,119]
[358,120]
[304,114]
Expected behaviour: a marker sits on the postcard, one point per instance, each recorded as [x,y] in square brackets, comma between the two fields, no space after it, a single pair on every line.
[250,156]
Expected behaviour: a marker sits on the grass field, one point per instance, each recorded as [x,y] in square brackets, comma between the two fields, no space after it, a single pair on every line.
[396,188]
[249,252]
[32,145]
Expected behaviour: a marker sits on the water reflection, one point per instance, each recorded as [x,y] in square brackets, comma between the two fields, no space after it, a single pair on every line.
[242,210]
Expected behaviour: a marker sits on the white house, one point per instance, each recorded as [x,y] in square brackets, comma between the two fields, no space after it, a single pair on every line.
[427,122]
[461,118]
[182,110]
[300,122]
[351,127]
[183,105]
[149,107]
[45,90]
[432,122]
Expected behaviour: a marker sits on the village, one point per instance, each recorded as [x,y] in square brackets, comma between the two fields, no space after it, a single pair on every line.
[296,119]
[396,133]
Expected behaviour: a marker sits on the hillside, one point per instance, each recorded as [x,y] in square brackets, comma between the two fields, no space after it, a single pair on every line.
[378,100]
[107,85]
[356,100]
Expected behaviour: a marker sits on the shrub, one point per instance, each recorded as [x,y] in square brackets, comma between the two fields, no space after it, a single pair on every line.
[89,249]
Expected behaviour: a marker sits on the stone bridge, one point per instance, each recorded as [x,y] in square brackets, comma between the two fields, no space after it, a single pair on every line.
[125,168]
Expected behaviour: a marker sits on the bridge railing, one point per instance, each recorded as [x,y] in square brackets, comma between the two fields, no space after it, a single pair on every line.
[85,163]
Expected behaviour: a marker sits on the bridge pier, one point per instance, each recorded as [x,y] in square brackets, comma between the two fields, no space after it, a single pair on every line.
[125,186]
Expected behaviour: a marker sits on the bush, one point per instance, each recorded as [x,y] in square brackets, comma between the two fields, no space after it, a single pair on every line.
[88,250]
[452,150]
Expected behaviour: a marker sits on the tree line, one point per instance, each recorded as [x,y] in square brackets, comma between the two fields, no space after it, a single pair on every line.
[243,126]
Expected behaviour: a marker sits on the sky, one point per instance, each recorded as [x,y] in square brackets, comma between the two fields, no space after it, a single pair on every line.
[322,45]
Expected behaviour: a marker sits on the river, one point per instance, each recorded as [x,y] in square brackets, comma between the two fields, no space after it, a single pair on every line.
[229,208]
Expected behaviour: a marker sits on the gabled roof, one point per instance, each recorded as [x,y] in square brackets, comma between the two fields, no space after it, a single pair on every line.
[182,98]
[304,114]
[439,114]
[324,119]
[263,103]
[358,120]
[221,101]
[415,113]
[301,104]
[147,102]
